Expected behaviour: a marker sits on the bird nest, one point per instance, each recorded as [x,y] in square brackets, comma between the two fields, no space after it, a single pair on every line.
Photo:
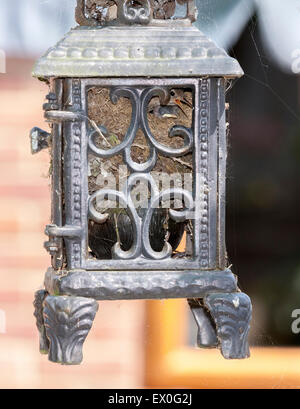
[116,119]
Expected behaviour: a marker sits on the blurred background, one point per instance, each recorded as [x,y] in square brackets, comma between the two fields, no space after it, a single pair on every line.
[262,202]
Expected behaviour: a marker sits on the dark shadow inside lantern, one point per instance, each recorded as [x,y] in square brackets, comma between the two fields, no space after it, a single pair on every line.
[118,228]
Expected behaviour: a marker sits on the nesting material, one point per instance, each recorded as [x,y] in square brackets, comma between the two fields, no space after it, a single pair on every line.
[106,10]
[101,10]
[116,119]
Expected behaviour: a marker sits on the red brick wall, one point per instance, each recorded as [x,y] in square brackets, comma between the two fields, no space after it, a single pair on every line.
[113,352]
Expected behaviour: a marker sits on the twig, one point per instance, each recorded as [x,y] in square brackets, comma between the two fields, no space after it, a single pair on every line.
[136,145]
[95,126]
[117,230]
[183,163]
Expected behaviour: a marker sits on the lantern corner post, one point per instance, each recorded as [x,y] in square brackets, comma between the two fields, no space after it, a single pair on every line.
[222,317]
[64,321]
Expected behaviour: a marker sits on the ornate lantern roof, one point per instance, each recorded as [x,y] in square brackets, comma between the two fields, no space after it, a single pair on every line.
[116,48]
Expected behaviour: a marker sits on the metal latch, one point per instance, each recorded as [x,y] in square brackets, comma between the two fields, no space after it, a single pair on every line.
[39,140]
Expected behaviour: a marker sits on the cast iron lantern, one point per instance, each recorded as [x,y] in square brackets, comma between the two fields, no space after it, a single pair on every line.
[133,64]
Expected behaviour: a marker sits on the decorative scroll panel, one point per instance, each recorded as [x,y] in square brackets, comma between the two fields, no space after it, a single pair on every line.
[141,221]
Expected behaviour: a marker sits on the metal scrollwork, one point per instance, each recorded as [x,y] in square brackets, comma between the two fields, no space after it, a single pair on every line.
[135,12]
[163,94]
[141,245]
[126,202]
[117,93]
[139,120]
[174,193]
[97,12]
[140,167]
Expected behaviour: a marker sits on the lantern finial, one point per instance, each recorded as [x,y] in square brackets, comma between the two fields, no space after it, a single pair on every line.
[127,12]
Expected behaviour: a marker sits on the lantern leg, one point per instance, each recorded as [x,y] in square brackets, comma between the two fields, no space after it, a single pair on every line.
[206,336]
[39,298]
[232,315]
[68,321]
